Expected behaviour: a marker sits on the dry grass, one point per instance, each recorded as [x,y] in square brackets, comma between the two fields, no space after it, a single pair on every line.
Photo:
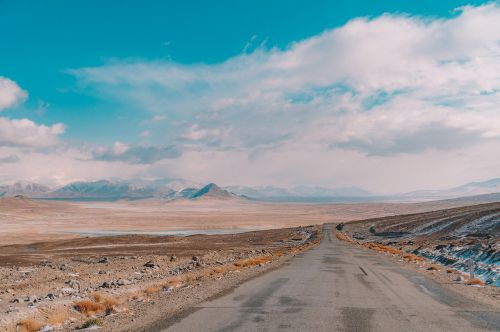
[29,325]
[57,316]
[412,258]
[89,307]
[150,290]
[250,262]
[476,282]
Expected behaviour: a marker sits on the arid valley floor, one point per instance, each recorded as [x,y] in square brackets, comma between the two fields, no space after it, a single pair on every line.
[144,265]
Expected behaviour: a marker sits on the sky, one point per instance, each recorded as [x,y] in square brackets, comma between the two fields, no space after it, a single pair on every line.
[390,96]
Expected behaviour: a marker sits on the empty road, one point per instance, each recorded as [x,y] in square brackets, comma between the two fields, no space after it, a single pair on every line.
[339,287]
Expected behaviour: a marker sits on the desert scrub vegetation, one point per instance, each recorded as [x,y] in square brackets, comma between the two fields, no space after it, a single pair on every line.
[29,325]
[89,307]
[110,303]
[475,282]
[91,322]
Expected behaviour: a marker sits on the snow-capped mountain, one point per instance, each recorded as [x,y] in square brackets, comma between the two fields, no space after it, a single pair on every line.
[298,191]
[28,189]
[468,189]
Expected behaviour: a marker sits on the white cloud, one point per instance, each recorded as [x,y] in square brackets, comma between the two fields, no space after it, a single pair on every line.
[24,132]
[10,93]
[388,92]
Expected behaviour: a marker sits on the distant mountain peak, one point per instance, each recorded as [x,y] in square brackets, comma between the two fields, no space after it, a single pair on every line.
[212,190]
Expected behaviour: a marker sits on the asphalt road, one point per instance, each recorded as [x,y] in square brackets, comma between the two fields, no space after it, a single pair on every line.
[338,287]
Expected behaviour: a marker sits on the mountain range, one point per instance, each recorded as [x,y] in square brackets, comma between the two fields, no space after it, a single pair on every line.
[174,189]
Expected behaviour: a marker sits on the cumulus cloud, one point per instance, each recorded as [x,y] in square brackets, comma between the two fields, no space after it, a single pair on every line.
[429,83]
[26,133]
[136,154]
[10,93]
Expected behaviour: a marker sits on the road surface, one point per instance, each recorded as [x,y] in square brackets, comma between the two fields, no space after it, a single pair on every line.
[339,287]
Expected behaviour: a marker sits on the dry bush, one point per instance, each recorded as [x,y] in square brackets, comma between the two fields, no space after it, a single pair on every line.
[98,297]
[89,307]
[412,258]
[109,302]
[477,282]
[150,290]
[218,270]
[344,237]
[57,316]
[252,261]
[382,248]
[92,322]
[29,325]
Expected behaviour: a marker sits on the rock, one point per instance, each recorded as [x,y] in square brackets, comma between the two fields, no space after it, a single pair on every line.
[102,272]
[63,267]
[103,260]
[16,300]
[106,285]
[458,278]
[68,290]
[196,258]
[75,284]
[51,296]
[122,282]
[173,258]
[339,227]
[151,264]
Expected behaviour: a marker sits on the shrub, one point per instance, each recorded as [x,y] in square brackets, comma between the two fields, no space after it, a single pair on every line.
[29,325]
[92,322]
[88,307]
[57,316]
[477,282]
[152,289]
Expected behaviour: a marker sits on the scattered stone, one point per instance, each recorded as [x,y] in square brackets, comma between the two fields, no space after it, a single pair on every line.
[122,282]
[68,290]
[102,272]
[75,284]
[196,258]
[173,258]
[106,285]
[51,296]
[458,278]
[103,260]
[151,264]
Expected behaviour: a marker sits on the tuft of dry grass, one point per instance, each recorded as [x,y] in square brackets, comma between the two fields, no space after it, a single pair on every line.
[29,325]
[110,303]
[150,290]
[412,258]
[57,316]
[252,261]
[89,307]
[476,282]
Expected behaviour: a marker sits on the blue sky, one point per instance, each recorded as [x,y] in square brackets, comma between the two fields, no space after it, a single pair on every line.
[164,86]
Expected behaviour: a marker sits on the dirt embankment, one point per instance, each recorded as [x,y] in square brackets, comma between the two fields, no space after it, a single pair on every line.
[132,283]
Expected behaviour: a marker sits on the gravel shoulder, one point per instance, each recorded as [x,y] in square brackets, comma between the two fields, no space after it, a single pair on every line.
[132,283]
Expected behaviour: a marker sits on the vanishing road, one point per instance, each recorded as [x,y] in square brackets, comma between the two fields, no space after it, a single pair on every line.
[339,287]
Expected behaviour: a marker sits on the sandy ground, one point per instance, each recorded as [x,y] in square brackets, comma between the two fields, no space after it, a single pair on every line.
[25,221]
